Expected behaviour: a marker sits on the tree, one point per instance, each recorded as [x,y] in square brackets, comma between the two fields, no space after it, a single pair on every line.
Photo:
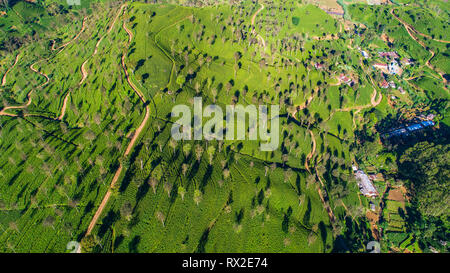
[226,173]
[197,87]
[180,80]
[426,166]
[182,192]
[287,174]
[173,143]
[168,188]
[211,151]
[153,182]
[126,210]
[237,56]
[228,87]
[310,180]
[160,216]
[197,196]
[89,135]
[49,221]
[184,168]
[13,226]
[198,152]
[88,243]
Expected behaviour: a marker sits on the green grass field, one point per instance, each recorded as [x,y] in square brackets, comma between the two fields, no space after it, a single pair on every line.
[192,195]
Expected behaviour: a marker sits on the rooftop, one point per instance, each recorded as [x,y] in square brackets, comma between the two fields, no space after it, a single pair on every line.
[365,185]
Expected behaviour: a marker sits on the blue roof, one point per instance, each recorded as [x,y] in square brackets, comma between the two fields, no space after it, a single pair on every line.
[427,123]
[414,127]
[398,132]
[410,128]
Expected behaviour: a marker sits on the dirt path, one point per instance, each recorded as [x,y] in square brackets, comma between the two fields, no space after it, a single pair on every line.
[64,107]
[83,27]
[346,209]
[415,30]
[42,74]
[253,23]
[327,37]
[326,205]
[84,73]
[311,154]
[172,71]
[412,30]
[83,70]
[374,100]
[7,71]
[324,202]
[354,118]
[117,16]
[304,105]
[130,145]
[3,113]
[428,36]
[130,34]
[96,45]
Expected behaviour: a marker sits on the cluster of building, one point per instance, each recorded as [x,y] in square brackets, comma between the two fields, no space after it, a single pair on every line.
[391,54]
[393,66]
[344,79]
[384,84]
[319,66]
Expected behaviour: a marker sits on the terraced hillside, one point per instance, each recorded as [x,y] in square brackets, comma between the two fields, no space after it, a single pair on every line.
[86,99]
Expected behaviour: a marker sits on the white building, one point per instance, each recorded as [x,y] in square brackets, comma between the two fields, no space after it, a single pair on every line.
[365,185]
[394,68]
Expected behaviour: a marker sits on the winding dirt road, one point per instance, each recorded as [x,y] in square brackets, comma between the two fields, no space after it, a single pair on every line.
[3,113]
[411,30]
[84,73]
[83,70]
[63,109]
[60,48]
[324,202]
[7,71]
[130,145]
[130,34]
[374,100]
[253,23]
[303,106]
[83,27]
[415,30]
[97,44]
[313,151]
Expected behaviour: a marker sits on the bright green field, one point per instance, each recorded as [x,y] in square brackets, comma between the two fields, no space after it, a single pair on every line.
[190,196]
